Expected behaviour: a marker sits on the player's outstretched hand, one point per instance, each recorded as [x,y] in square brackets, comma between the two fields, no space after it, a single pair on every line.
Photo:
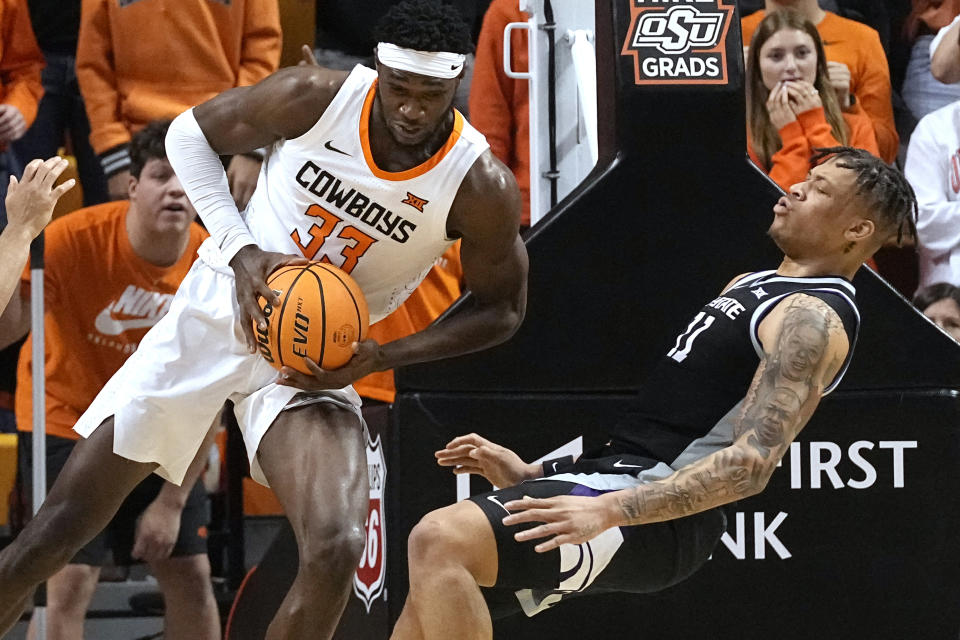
[251,266]
[474,454]
[365,360]
[31,200]
[566,519]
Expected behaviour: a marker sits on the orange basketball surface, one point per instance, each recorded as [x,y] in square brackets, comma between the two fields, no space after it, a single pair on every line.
[322,312]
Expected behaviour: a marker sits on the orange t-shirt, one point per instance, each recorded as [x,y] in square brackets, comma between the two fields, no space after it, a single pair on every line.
[100,299]
[857,46]
[810,131]
[437,291]
[499,106]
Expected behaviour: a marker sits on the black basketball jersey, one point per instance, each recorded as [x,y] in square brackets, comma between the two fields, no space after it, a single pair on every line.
[709,367]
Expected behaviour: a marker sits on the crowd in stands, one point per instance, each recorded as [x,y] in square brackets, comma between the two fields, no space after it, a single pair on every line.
[90,76]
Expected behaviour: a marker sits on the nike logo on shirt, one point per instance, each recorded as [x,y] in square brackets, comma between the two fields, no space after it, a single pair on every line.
[110,326]
[137,309]
[329,146]
[619,465]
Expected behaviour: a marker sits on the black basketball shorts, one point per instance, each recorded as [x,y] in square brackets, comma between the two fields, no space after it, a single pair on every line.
[120,534]
[638,559]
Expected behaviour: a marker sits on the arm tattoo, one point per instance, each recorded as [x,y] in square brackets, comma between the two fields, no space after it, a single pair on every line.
[781,398]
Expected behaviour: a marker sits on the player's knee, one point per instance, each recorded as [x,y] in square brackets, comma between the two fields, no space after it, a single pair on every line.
[70,590]
[186,578]
[333,549]
[435,539]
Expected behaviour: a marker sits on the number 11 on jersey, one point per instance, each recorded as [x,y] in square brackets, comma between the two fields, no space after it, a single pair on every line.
[685,340]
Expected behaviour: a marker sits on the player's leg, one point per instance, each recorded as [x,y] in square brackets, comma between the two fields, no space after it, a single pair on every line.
[315,460]
[451,553]
[190,610]
[69,592]
[86,495]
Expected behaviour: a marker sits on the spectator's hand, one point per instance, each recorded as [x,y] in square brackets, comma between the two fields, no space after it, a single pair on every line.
[803,96]
[157,531]
[31,200]
[365,360]
[118,185]
[839,75]
[307,58]
[251,266]
[12,123]
[242,176]
[778,106]
[475,454]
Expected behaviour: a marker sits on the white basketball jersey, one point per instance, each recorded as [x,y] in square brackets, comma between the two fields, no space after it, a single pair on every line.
[322,195]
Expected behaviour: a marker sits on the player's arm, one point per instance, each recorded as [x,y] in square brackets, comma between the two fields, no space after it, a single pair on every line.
[15,318]
[805,346]
[30,203]
[485,215]
[284,105]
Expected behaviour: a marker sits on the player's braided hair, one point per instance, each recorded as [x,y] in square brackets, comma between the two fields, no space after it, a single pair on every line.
[884,189]
[148,144]
[425,25]
[934,293]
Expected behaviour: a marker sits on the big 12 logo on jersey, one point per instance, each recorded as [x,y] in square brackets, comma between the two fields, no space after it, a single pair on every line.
[368,582]
[680,42]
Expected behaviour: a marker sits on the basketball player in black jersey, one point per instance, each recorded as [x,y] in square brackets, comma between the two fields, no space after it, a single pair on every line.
[717,414]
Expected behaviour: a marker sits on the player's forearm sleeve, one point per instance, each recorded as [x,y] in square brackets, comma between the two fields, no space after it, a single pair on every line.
[201,173]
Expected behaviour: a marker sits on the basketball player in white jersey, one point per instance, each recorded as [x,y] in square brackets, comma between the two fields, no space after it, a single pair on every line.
[370,170]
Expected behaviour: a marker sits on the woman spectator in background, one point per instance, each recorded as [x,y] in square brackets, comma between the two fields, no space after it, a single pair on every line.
[921,91]
[791,106]
[941,303]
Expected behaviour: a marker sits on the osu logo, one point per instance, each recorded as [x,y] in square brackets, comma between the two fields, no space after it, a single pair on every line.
[683,44]
[370,578]
[678,29]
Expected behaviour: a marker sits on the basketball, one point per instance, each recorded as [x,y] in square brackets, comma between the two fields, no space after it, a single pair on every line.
[322,312]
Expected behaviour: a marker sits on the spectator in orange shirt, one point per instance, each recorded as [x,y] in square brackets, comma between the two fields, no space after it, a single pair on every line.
[856,63]
[921,90]
[791,107]
[499,104]
[111,273]
[20,90]
[61,116]
[145,60]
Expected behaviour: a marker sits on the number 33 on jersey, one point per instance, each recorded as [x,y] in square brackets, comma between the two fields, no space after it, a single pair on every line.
[322,195]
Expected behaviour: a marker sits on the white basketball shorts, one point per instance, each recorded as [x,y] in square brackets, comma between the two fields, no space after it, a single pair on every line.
[166,395]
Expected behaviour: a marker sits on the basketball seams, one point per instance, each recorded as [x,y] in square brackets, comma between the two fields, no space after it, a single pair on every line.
[334,323]
[323,315]
[283,307]
[356,307]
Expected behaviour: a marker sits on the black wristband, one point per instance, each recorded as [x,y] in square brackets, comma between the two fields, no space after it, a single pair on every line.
[554,466]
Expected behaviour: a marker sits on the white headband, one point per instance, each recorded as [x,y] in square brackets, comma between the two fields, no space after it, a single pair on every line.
[439,64]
